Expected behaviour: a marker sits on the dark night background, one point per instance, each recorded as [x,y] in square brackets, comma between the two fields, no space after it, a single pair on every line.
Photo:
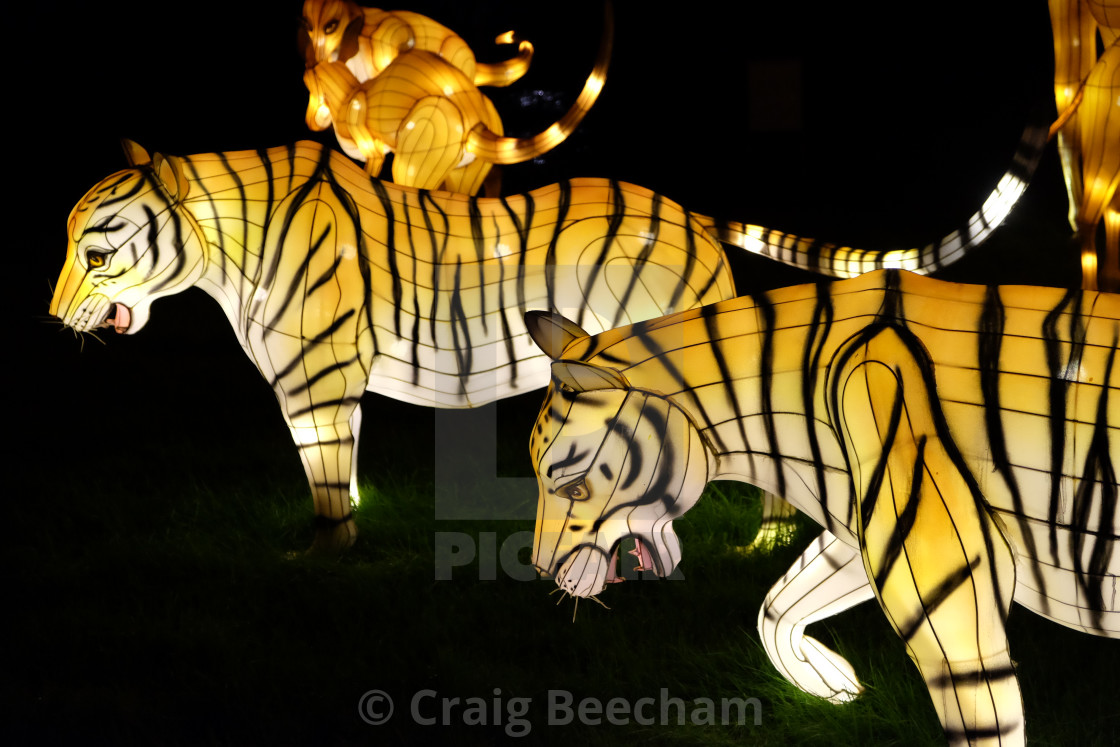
[874,124]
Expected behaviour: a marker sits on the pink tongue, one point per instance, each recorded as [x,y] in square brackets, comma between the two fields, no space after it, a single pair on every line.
[645,562]
[122,317]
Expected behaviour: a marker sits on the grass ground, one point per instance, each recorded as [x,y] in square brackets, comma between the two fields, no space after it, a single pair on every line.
[150,601]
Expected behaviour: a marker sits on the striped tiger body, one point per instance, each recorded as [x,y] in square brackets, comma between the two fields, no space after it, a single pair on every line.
[336,283]
[959,445]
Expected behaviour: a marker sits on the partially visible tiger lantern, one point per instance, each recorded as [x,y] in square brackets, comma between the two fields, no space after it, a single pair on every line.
[958,444]
[1089,141]
[400,83]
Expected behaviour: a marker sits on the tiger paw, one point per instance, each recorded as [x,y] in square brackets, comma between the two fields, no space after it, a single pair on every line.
[820,671]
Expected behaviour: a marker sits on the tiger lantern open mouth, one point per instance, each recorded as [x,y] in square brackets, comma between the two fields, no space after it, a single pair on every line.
[119,318]
[640,552]
[585,574]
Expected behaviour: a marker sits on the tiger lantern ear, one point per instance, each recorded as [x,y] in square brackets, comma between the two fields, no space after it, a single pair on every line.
[348,47]
[169,169]
[585,377]
[134,153]
[552,332]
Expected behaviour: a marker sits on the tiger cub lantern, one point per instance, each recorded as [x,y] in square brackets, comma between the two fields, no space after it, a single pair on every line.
[367,40]
[388,87]
[958,444]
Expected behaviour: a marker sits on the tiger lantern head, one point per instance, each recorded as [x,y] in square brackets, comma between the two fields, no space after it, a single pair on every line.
[127,245]
[330,30]
[599,482]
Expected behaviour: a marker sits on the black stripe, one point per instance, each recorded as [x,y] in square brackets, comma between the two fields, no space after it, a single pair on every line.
[196,178]
[570,459]
[326,276]
[689,264]
[905,521]
[350,206]
[298,277]
[614,223]
[874,485]
[236,177]
[991,341]
[1098,470]
[714,341]
[642,259]
[334,327]
[943,591]
[550,256]
[765,377]
[819,330]
[507,331]
[464,348]
[341,402]
[297,201]
[147,175]
[1058,388]
[326,371]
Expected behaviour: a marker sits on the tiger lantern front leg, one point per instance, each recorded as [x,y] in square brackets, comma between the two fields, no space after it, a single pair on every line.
[827,579]
[316,359]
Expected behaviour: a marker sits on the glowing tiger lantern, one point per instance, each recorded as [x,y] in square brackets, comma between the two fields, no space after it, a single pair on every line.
[335,283]
[1089,141]
[369,39]
[957,443]
[415,94]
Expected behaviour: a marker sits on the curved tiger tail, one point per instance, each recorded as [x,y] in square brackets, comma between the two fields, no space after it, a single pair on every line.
[838,260]
[502,150]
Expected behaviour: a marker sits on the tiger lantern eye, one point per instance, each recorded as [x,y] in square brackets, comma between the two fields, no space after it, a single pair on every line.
[96,259]
[577,491]
[331,27]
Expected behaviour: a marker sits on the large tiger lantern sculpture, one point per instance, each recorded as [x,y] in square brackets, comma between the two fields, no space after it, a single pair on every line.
[335,282]
[959,444]
[443,132]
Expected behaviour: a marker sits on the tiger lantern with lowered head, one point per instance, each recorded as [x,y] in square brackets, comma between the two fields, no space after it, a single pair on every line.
[957,443]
